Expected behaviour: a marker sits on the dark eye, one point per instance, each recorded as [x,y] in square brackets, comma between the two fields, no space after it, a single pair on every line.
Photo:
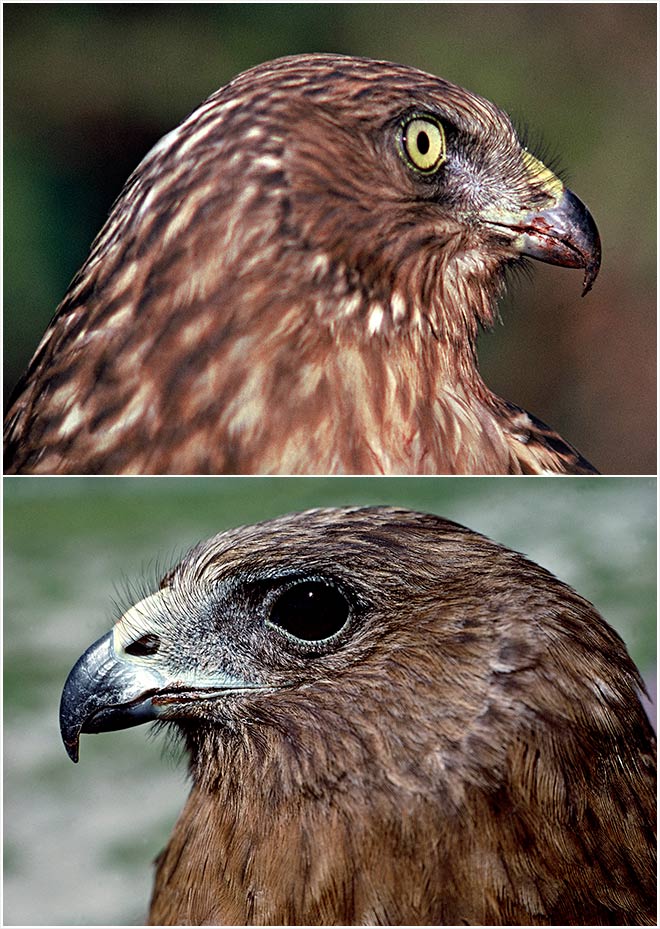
[310,611]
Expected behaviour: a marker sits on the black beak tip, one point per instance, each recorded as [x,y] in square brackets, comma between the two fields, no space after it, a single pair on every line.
[588,240]
[72,750]
[590,275]
[69,730]
[592,264]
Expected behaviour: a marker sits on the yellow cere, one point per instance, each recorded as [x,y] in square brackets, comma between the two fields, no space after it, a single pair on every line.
[542,175]
[424,144]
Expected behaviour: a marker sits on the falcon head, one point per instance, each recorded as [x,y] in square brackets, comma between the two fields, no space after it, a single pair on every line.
[315,246]
[416,190]
[436,729]
[395,195]
[355,597]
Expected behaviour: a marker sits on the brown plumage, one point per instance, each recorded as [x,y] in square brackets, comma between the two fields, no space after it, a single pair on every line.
[390,720]
[292,281]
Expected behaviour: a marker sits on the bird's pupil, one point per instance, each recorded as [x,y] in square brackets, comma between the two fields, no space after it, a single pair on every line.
[423,143]
[310,611]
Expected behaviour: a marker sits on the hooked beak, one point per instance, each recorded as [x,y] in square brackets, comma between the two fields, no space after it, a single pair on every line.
[118,683]
[103,693]
[564,234]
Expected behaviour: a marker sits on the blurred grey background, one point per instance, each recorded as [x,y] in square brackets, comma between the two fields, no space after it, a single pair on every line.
[88,89]
[79,841]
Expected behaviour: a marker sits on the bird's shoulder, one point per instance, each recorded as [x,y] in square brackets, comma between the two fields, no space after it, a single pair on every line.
[535,447]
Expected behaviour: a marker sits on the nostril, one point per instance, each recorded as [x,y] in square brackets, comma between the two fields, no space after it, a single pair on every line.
[146,645]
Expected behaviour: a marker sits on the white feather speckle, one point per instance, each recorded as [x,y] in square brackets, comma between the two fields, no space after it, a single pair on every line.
[350,305]
[398,305]
[71,421]
[267,162]
[376,315]
[320,264]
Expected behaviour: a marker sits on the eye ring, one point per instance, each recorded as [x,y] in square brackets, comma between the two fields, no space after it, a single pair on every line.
[422,143]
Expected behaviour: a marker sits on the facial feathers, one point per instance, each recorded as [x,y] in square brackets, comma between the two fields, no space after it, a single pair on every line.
[390,720]
[293,280]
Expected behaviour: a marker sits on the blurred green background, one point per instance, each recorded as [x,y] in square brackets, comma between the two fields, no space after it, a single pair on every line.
[89,88]
[80,841]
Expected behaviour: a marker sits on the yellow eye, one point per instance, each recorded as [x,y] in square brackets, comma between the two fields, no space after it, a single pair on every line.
[423,144]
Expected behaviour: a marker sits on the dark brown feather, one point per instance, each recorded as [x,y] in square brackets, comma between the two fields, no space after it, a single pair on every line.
[275,291]
[470,749]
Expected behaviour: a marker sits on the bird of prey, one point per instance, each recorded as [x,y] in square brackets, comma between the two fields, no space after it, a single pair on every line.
[390,719]
[293,280]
